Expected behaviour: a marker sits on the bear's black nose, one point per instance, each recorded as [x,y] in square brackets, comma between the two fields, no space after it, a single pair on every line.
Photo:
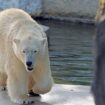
[29,63]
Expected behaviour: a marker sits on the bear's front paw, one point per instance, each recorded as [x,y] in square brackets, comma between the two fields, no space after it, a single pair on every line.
[24,102]
[32,94]
[2,88]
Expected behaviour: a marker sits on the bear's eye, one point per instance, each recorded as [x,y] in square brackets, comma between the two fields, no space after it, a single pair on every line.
[35,51]
[23,51]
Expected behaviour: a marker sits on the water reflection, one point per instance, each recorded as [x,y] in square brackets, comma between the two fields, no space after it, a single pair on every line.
[71,48]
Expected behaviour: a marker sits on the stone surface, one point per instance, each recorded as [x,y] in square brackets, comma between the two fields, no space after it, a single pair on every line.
[68,8]
[33,7]
[60,95]
[85,8]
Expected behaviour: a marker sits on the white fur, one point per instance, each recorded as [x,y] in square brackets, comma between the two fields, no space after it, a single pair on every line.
[17,24]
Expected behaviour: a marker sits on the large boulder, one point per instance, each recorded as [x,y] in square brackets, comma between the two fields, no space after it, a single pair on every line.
[34,7]
[84,8]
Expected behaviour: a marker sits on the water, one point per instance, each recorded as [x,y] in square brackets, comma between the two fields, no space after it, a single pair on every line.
[71,51]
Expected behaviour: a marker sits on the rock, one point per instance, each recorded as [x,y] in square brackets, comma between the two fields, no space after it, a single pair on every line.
[34,7]
[60,95]
[84,8]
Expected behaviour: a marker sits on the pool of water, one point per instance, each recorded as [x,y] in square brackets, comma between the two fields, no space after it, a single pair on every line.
[71,51]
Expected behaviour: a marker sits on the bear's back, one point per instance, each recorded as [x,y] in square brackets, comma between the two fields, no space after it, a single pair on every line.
[13,14]
[9,16]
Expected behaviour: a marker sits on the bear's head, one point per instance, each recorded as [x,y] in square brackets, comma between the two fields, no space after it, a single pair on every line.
[28,49]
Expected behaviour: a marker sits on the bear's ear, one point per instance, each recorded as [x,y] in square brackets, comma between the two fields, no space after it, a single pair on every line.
[16,41]
[44,40]
[45,28]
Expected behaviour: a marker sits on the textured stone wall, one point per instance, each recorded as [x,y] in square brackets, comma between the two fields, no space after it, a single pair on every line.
[33,7]
[86,8]
[78,8]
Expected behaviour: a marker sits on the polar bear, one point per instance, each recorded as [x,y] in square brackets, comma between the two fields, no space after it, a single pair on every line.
[24,58]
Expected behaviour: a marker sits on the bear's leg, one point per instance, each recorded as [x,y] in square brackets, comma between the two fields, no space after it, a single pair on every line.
[43,85]
[3,79]
[17,85]
[31,84]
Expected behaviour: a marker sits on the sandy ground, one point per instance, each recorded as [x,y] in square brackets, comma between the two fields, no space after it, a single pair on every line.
[59,95]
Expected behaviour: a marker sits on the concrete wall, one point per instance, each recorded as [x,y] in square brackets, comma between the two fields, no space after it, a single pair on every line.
[84,8]
[78,8]
[33,7]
